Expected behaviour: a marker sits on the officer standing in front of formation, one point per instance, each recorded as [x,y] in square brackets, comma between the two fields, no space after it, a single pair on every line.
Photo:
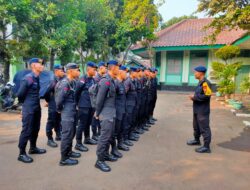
[120,103]
[106,113]
[85,112]
[28,95]
[66,105]
[96,127]
[54,118]
[201,111]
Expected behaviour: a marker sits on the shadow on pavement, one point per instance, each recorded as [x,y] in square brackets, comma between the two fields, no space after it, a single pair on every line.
[239,143]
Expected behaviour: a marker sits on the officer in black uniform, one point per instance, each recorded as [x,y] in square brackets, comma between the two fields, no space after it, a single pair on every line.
[96,127]
[120,113]
[201,111]
[54,118]
[131,98]
[28,94]
[141,79]
[148,94]
[154,95]
[106,113]
[145,87]
[85,112]
[66,105]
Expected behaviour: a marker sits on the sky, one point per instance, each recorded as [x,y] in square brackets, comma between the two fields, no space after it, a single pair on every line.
[176,8]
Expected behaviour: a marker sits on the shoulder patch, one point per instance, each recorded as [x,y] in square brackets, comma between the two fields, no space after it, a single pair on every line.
[107,83]
[30,79]
[66,89]
[82,80]
[207,90]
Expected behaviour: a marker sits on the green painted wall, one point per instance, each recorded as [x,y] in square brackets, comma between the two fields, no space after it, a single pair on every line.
[186,76]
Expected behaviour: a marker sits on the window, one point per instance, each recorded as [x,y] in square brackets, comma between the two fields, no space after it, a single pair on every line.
[244,53]
[174,63]
[198,58]
[174,66]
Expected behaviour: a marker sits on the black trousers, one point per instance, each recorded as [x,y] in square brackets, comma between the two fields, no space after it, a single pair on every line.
[96,127]
[154,103]
[201,127]
[53,122]
[68,134]
[30,129]
[119,130]
[128,125]
[105,139]
[85,116]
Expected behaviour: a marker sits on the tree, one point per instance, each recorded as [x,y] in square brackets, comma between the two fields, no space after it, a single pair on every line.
[138,22]
[60,26]
[227,14]
[14,13]
[175,20]
[97,15]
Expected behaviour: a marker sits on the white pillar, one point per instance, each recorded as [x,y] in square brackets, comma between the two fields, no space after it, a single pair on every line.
[163,66]
[185,67]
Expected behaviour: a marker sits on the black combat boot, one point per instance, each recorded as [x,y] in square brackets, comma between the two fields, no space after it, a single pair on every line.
[100,164]
[81,147]
[194,142]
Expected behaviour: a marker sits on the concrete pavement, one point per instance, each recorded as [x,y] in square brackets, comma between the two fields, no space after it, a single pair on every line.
[161,160]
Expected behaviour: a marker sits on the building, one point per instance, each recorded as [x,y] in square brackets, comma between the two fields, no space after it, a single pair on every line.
[181,47]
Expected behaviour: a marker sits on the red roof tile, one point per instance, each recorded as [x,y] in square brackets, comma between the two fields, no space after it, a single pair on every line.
[190,32]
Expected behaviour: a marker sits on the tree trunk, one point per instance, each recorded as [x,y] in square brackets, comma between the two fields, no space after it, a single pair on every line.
[150,54]
[126,53]
[52,58]
[6,67]
[5,55]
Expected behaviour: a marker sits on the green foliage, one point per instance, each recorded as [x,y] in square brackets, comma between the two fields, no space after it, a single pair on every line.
[227,52]
[71,30]
[245,85]
[175,20]
[139,20]
[227,14]
[225,72]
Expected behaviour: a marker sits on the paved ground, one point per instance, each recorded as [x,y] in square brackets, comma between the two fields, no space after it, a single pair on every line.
[160,160]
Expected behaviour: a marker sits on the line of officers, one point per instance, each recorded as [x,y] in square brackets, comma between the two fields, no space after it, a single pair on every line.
[115,102]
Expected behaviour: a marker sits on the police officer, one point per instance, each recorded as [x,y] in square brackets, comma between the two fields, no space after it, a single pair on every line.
[28,94]
[150,96]
[96,127]
[146,94]
[154,93]
[102,70]
[131,99]
[201,111]
[141,79]
[54,118]
[120,113]
[106,113]
[85,112]
[66,105]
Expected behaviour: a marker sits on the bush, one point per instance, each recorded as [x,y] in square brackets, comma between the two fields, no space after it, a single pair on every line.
[245,85]
[225,73]
[227,52]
